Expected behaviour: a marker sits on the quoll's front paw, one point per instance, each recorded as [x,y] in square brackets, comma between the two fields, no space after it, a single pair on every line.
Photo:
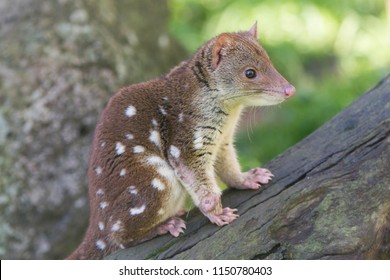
[255,177]
[226,217]
[210,206]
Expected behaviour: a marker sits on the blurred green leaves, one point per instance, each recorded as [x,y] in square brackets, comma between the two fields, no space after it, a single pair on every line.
[332,51]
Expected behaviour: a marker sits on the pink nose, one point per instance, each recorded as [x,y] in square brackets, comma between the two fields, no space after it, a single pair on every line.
[289,90]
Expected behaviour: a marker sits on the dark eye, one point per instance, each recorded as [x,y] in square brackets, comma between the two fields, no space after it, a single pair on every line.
[250,73]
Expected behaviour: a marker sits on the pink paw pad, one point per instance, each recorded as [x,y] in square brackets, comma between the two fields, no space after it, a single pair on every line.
[173,225]
[255,177]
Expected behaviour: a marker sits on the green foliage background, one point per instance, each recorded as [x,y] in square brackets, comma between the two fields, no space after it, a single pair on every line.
[332,51]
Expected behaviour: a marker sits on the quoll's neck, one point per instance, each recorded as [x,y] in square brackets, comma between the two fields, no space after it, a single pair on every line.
[209,96]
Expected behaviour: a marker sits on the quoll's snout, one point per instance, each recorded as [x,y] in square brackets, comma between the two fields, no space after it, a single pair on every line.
[289,90]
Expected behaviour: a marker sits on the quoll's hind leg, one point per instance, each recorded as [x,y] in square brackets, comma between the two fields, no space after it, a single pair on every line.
[152,205]
[181,212]
[173,225]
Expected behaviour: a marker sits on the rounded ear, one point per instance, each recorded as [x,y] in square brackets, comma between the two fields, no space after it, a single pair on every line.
[220,49]
[253,31]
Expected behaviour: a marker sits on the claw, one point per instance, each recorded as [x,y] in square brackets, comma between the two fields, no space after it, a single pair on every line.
[174,225]
[226,217]
[255,177]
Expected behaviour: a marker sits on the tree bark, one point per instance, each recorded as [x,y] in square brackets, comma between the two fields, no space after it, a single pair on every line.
[330,199]
[59,63]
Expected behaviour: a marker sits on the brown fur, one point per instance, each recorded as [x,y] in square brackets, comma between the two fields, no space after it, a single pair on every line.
[185,123]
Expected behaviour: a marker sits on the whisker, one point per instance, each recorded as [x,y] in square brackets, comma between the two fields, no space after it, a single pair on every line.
[248,125]
[254,117]
[243,94]
[251,92]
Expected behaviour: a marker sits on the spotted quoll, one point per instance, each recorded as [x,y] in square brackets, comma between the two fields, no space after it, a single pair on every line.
[160,140]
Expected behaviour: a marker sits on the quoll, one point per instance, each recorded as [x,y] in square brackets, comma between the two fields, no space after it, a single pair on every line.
[159,140]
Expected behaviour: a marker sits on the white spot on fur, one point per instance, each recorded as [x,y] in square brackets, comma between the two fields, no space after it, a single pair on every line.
[181,117]
[155,160]
[163,169]
[162,110]
[198,134]
[123,172]
[167,172]
[154,122]
[161,211]
[198,139]
[198,145]
[175,152]
[138,149]
[119,148]
[99,192]
[137,210]
[130,111]
[100,244]
[117,226]
[132,190]
[129,136]
[165,98]
[98,170]
[121,246]
[102,144]
[103,204]
[101,226]
[155,138]
[157,184]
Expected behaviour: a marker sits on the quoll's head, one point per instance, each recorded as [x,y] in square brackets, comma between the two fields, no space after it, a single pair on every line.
[244,72]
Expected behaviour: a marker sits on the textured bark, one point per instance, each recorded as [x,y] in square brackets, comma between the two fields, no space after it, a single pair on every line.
[330,199]
[59,63]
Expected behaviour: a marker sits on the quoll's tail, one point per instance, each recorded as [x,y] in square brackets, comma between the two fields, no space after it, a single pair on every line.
[91,248]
